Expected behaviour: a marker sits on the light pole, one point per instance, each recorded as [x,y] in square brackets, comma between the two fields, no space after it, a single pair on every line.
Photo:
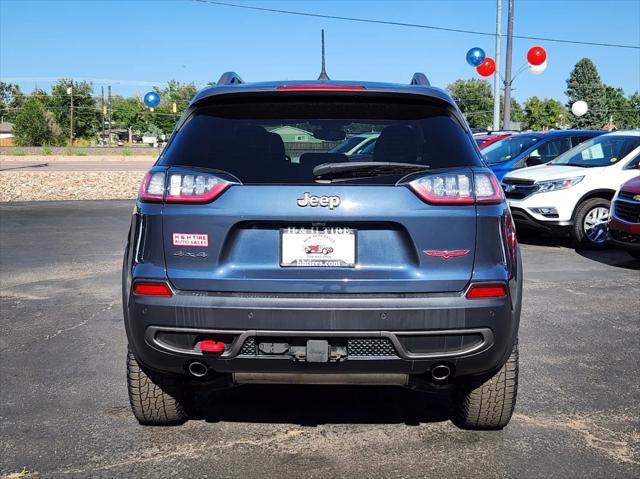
[506,123]
[496,77]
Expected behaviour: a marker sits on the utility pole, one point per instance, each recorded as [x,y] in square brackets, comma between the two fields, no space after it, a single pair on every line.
[507,71]
[496,75]
[104,114]
[109,102]
[70,93]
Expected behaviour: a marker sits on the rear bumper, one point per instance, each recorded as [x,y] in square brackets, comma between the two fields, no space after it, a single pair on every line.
[392,334]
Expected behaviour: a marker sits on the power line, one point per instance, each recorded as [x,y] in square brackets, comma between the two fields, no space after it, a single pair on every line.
[411,25]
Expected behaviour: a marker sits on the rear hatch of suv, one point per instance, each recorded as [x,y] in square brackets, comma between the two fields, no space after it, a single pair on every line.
[255,202]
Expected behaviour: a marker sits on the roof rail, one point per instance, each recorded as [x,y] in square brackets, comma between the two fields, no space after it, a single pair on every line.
[230,78]
[420,79]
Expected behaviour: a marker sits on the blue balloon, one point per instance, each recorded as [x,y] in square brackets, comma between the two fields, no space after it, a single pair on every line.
[152,99]
[475,56]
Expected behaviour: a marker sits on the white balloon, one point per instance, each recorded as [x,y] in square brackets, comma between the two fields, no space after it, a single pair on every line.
[537,69]
[579,108]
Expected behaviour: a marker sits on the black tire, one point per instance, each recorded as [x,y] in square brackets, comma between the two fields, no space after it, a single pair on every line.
[578,234]
[154,397]
[489,405]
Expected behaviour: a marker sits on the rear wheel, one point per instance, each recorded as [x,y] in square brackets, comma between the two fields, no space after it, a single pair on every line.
[489,405]
[155,397]
[590,223]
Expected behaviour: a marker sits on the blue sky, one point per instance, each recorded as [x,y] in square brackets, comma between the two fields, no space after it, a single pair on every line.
[153,41]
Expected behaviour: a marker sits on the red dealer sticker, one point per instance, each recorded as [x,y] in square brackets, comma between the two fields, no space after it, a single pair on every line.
[190,239]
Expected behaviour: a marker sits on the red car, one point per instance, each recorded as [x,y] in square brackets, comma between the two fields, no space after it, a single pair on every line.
[316,248]
[624,218]
[485,140]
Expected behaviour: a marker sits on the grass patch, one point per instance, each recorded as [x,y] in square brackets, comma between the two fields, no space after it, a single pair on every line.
[68,151]
[46,150]
[17,475]
[126,151]
[81,152]
[19,152]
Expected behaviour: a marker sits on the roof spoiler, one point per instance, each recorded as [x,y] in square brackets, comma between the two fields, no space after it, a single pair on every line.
[229,78]
[420,79]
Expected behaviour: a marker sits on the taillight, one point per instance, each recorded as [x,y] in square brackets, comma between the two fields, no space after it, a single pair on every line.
[181,187]
[458,188]
[486,291]
[510,242]
[152,187]
[194,188]
[142,288]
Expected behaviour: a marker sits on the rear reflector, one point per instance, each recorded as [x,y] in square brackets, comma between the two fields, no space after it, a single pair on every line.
[151,289]
[211,346]
[485,291]
[321,87]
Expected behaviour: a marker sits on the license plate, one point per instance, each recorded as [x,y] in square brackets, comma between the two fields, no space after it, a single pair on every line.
[318,247]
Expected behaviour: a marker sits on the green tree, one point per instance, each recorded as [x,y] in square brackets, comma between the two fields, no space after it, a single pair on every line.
[34,126]
[542,114]
[129,113]
[584,84]
[634,105]
[86,116]
[620,109]
[11,100]
[475,99]
[175,92]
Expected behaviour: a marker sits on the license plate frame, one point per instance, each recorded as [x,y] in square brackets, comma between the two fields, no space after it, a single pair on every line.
[318,247]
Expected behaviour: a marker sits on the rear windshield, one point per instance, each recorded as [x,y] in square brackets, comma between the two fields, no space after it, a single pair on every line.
[281,142]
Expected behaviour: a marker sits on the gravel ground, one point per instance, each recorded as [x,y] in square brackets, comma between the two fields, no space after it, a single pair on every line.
[68,185]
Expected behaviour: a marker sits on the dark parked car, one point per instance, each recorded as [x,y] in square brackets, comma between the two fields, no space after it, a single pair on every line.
[624,218]
[422,288]
[532,148]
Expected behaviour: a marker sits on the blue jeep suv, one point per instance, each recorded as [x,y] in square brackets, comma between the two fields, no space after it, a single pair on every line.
[255,255]
[532,148]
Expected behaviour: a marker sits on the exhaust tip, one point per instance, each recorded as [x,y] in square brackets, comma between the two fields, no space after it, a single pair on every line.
[198,369]
[440,372]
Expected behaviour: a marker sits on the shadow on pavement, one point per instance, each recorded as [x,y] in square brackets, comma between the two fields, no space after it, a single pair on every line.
[610,256]
[315,405]
[613,257]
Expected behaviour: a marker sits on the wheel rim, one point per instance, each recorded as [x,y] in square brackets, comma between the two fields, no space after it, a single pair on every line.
[595,224]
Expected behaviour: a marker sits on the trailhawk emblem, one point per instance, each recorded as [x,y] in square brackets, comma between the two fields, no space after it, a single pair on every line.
[311,200]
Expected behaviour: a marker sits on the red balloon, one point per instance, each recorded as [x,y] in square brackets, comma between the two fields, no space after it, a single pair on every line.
[536,55]
[487,67]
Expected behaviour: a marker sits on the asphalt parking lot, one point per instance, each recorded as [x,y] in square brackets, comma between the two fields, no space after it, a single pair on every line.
[64,410]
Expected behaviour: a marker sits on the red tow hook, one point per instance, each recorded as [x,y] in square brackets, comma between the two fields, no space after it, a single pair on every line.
[211,346]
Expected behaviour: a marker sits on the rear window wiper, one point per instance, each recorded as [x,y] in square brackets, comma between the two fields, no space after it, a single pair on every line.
[364,169]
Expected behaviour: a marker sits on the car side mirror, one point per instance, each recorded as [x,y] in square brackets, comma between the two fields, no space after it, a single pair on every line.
[533,160]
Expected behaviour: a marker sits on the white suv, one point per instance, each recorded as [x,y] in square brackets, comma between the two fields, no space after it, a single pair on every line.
[574,191]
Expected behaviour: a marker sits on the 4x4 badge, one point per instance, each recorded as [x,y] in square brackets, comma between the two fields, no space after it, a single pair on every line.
[311,200]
